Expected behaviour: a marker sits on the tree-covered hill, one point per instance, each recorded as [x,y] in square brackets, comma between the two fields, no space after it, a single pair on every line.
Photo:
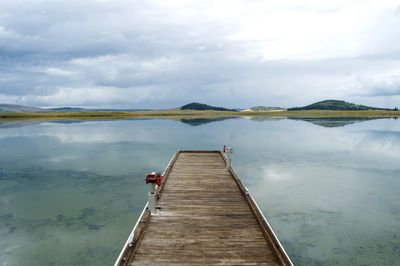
[203,107]
[334,105]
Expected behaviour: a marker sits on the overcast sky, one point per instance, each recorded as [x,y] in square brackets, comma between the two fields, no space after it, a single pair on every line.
[150,54]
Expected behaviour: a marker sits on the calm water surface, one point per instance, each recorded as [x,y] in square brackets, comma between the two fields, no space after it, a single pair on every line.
[70,193]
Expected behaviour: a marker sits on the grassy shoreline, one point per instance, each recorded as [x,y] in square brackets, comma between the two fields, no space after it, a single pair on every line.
[193,114]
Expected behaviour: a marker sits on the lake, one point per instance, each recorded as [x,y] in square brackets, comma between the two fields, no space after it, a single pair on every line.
[70,192]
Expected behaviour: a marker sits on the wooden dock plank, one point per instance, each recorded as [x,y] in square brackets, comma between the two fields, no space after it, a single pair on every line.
[203,218]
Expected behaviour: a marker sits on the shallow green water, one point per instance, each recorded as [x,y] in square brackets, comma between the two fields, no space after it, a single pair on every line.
[70,193]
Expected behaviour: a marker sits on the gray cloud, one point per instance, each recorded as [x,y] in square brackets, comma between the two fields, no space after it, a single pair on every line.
[384,86]
[153,54]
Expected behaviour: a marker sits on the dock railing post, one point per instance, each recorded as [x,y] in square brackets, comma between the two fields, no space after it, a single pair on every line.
[152,199]
[227,152]
[154,179]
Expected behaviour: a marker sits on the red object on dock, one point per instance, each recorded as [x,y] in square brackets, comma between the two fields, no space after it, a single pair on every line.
[153,178]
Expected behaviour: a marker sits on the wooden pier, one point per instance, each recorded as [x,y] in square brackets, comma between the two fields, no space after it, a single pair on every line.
[204,216]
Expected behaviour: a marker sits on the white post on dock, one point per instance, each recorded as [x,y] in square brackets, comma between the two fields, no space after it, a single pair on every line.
[155,180]
[227,152]
[152,199]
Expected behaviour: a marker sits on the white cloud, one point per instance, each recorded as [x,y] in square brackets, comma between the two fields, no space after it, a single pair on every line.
[91,96]
[58,72]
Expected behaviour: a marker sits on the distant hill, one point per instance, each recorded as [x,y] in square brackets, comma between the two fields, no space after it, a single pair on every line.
[14,108]
[265,108]
[203,107]
[67,109]
[78,109]
[334,105]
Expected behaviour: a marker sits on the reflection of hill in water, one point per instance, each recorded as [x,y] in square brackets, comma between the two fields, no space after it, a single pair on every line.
[323,122]
[264,118]
[336,121]
[202,121]
[319,121]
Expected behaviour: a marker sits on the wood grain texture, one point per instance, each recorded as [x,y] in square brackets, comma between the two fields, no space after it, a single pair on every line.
[203,218]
